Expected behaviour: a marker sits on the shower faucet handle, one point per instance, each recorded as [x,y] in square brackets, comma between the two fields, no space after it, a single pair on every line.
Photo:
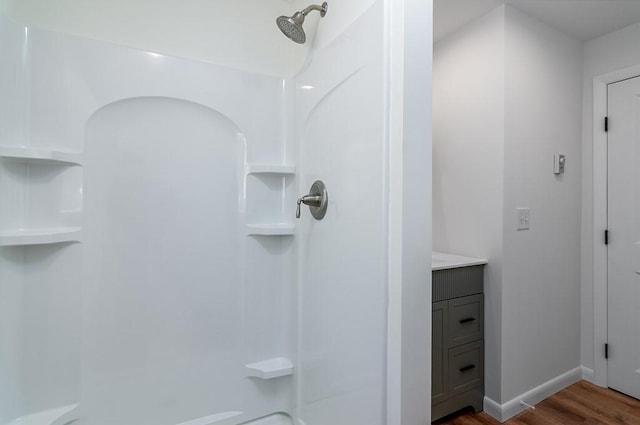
[311,200]
[317,200]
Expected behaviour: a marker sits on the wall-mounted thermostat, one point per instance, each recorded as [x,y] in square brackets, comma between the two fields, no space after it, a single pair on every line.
[558,164]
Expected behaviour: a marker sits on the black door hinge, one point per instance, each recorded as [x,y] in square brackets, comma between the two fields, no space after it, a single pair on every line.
[606,124]
[606,237]
[606,351]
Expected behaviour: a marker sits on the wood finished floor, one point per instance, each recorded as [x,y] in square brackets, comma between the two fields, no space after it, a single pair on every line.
[582,403]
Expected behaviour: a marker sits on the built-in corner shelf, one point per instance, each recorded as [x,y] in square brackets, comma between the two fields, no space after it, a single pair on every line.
[23,237]
[269,174]
[270,169]
[37,155]
[58,416]
[270,368]
[274,229]
[222,417]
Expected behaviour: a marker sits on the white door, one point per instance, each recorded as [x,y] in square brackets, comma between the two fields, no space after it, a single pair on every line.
[624,236]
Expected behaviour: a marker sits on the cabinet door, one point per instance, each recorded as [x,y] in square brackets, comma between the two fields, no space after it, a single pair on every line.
[439,374]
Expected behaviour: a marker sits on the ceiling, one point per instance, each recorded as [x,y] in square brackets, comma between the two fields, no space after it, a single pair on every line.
[581,19]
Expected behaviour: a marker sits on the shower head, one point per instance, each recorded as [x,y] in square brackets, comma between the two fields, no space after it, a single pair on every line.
[292,26]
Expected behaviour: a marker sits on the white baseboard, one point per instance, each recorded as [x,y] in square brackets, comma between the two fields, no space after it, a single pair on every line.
[503,412]
[588,374]
[492,408]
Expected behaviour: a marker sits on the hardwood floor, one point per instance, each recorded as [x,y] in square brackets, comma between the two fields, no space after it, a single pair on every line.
[582,403]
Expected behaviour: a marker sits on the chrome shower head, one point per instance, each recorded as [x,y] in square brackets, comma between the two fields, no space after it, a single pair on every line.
[292,26]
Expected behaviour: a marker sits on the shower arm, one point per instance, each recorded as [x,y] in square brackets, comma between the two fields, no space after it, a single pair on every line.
[322,9]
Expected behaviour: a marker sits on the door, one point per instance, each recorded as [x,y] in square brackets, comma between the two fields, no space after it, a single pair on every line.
[624,236]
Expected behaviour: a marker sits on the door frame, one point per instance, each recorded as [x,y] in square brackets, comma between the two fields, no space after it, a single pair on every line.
[600,277]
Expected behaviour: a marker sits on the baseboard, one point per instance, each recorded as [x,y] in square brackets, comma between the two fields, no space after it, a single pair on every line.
[492,408]
[503,412]
[588,374]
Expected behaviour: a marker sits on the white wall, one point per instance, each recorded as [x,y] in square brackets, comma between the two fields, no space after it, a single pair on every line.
[468,164]
[44,289]
[342,354]
[239,34]
[11,328]
[541,266]
[334,129]
[415,148]
[193,30]
[12,278]
[507,97]
[610,53]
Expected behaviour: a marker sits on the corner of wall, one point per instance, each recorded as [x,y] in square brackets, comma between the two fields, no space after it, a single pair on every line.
[416,209]
[468,161]
[520,403]
[509,52]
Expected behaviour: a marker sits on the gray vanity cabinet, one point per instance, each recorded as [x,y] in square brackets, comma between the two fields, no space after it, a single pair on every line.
[438,375]
[457,338]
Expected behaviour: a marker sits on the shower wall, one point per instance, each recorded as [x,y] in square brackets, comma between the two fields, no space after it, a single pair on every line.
[341,140]
[152,271]
[193,29]
[146,248]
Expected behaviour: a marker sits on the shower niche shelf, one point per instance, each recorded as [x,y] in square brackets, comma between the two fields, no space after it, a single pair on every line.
[25,237]
[38,155]
[275,169]
[41,195]
[268,185]
[57,416]
[270,368]
[276,229]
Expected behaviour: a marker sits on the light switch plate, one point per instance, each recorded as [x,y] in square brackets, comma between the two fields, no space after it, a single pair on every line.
[524,216]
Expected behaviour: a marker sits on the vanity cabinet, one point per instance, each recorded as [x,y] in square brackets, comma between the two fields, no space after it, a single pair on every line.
[458,344]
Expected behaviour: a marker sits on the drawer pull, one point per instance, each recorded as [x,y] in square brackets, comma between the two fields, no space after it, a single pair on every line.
[467,320]
[467,368]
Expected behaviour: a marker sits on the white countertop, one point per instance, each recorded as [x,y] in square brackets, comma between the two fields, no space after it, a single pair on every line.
[443,261]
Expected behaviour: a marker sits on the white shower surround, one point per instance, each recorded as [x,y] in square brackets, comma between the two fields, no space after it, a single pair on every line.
[152,268]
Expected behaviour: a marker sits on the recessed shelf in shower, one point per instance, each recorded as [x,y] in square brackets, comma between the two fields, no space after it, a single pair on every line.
[267,186]
[39,155]
[275,229]
[42,197]
[59,415]
[270,368]
[24,237]
[270,169]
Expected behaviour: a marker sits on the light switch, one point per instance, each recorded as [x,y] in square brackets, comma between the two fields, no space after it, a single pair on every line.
[523,219]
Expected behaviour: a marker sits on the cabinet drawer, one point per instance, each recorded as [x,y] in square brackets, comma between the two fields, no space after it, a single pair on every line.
[457,282]
[465,320]
[466,367]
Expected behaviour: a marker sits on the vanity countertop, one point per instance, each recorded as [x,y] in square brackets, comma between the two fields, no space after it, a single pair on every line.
[443,261]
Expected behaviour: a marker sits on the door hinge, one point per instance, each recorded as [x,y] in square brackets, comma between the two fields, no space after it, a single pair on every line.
[606,237]
[606,351]
[606,124]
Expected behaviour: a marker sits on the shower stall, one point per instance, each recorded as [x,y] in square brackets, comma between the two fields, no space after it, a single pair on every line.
[152,268]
